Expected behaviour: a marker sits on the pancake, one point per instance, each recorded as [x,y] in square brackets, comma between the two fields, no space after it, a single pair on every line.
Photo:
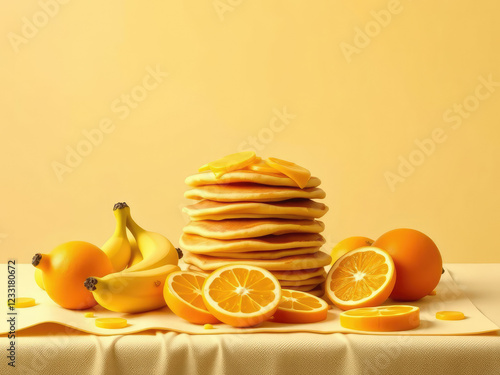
[201,245]
[318,291]
[298,209]
[280,275]
[272,179]
[250,228]
[311,281]
[295,262]
[302,288]
[273,254]
[252,193]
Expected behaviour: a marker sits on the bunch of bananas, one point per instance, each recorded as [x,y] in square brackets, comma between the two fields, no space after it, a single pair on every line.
[141,263]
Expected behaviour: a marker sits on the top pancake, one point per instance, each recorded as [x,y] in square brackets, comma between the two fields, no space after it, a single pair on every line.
[249,192]
[208,178]
[298,209]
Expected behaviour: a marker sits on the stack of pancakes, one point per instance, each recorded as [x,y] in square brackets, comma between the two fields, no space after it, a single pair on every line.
[254,218]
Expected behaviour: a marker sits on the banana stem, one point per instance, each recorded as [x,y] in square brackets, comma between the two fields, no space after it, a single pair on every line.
[40,261]
[90,283]
[121,215]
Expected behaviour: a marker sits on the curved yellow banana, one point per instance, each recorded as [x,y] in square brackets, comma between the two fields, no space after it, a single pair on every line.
[131,292]
[117,247]
[39,278]
[156,249]
[135,254]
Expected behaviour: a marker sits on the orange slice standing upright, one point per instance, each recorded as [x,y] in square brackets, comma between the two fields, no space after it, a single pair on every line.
[182,292]
[382,318]
[363,277]
[300,307]
[241,296]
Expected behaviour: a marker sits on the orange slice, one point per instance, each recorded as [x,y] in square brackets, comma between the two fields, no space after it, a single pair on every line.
[382,318]
[300,307]
[242,296]
[229,163]
[261,166]
[361,278]
[182,293]
[450,315]
[22,302]
[111,323]
[297,173]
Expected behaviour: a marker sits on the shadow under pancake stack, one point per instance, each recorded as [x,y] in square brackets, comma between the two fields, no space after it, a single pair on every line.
[257,215]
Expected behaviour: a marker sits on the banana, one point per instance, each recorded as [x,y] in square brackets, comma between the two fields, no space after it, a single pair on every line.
[117,247]
[156,249]
[135,254]
[131,292]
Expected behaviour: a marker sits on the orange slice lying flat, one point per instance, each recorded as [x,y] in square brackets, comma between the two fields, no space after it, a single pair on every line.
[297,173]
[300,307]
[241,296]
[450,315]
[182,292]
[361,278]
[261,166]
[230,163]
[382,318]
[111,323]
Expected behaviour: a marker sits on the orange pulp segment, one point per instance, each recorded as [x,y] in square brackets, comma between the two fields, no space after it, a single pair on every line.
[297,173]
[363,277]
[300,307]
[182,292]
[241,295]
[450,315]
[382,318]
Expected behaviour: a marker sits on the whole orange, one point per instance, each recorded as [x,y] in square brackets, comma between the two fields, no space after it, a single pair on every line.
[65,269]
[418,262]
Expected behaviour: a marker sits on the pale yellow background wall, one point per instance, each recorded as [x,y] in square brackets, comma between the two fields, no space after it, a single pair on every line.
[229,72]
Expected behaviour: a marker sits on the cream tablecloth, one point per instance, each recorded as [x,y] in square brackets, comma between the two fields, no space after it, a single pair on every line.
[52,349]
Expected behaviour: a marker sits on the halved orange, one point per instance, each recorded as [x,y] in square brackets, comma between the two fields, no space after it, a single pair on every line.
[300,307]
[240,295]
[382,318]
[297,173]
[182,293]
[363,277]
